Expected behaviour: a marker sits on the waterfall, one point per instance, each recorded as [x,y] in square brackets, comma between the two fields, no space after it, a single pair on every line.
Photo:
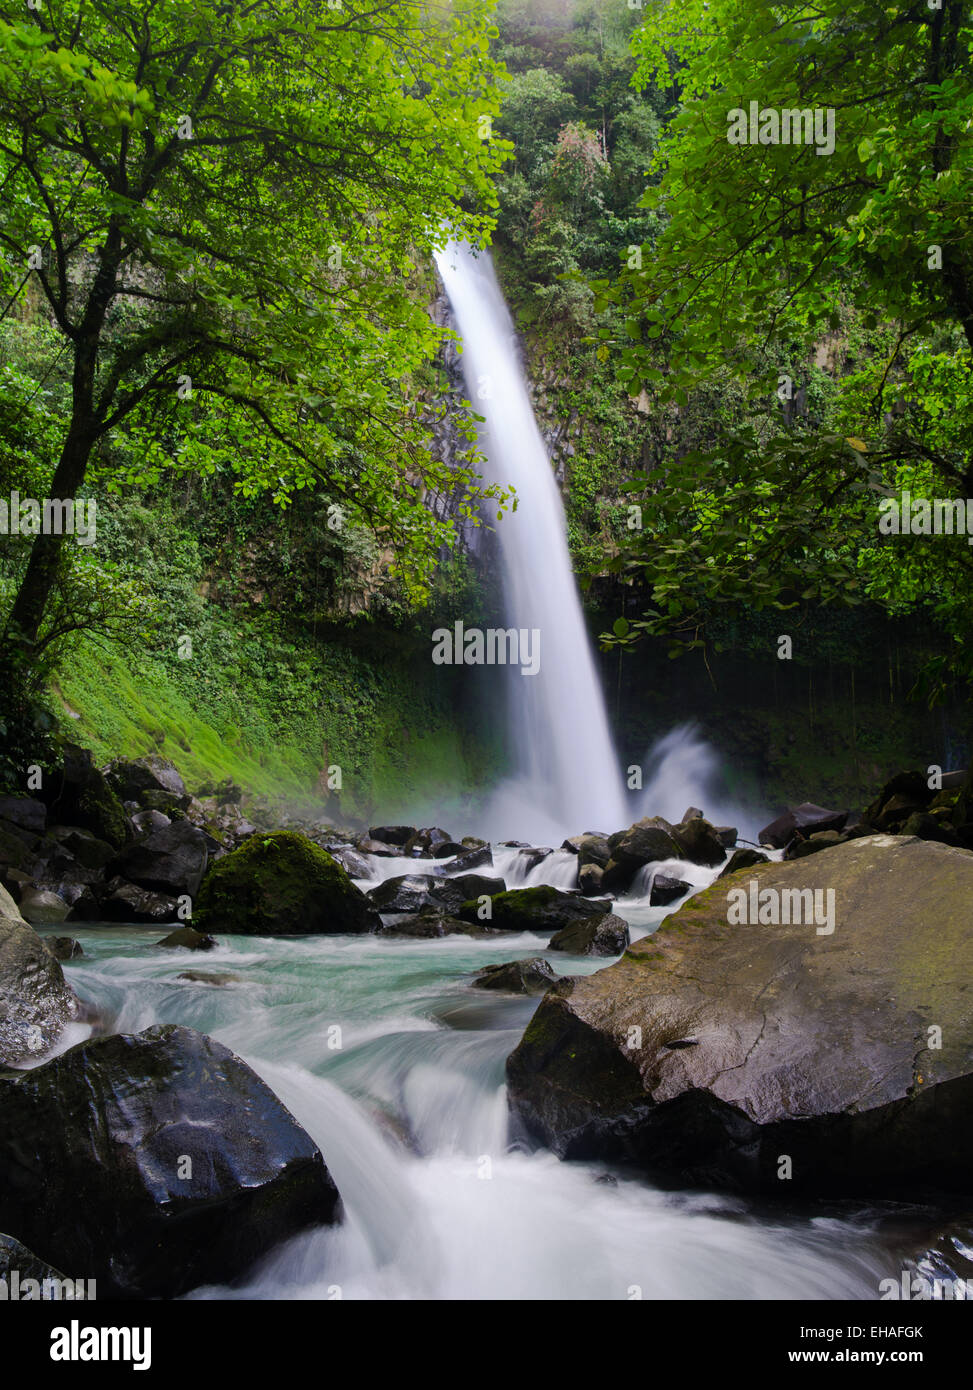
[567,777]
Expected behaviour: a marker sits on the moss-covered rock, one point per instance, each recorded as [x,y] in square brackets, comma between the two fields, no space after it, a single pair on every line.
[281,885]
[76,793]
[542,908]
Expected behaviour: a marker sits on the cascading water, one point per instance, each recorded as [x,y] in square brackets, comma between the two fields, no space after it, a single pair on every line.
[567,776]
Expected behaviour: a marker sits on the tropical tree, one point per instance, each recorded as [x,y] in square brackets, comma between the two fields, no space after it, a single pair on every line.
[225,206]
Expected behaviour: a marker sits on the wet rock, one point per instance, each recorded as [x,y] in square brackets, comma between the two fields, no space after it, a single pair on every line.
[598,936]
[753,1041]
[42,908]
[414,892]
[474,842]
[187,939]
[24,812]
[927,827]
[366,845]
[354,864]
[147,821]
[594,849]
[126,902]
[590,880]
[428,839]
[83,846]
[533,976]
[171,860]
[35,1000]
[534,856]
[14,854]
[691,813]
[477,857]
[217,978]
[281,885]
[131,778]
[727,835]
[64,947]
[646,842]
[807,818]
[76,793]
[666,890]
[742,858]
[699,843]
[431,924]
[93,1164]
[393,834]
[18,1265]
[539,909]
[822,839]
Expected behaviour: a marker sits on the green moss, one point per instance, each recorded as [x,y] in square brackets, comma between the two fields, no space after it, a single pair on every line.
[280,885]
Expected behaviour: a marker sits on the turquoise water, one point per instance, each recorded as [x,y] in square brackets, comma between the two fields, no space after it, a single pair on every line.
[395,1066]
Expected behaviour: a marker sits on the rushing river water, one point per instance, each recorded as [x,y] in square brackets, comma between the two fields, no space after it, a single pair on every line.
[407,1104]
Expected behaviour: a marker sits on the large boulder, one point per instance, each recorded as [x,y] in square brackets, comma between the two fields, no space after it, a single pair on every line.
[24,812]
[281,885]
[392,834]
[18,1265]
[539,909]
[714,1052]
[417,892]
[171,860]
[126,902]
[35,1000]
[804,819]
[154,1163]
[432,923]
[646,842]
[131,778]
[533,976]
[699,842]
[76,793]
[42,908]
[597,936]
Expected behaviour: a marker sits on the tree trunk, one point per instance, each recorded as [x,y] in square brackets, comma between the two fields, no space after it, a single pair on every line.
[32,598]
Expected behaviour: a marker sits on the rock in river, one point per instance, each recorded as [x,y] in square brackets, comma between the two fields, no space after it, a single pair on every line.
[539,909]
[281,885]
[710,1051]
[35,1000]
[533,976]
[595,936]
[153,1163]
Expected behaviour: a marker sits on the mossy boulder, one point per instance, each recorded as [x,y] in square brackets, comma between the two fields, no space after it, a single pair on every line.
[542,908]
[35,1000]
[78,794]
[281,885]
[713,1048]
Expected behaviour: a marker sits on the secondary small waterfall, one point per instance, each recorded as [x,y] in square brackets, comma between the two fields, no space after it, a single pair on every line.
[567,777]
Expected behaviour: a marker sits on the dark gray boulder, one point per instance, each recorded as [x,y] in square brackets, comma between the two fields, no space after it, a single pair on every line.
[666,890]
[25,812]
[64,947]
[187,939]
[806,818]
[392,834]
[743,858]
[77,793]
[154,1163]
[539,909]
[598,936]
[170,860]
[131,778]
[699,843]
[712,1051]
[646,842]
[126,902]
[18,1265]
[414,892]
[533,976]
[432,923]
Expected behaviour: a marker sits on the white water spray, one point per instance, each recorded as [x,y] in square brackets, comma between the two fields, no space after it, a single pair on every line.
[567,771]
